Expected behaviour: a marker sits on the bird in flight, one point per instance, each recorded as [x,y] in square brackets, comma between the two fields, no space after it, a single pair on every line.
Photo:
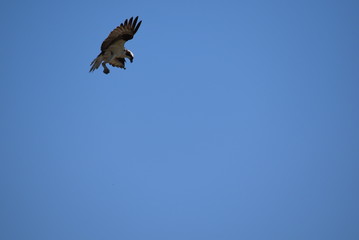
[113,49]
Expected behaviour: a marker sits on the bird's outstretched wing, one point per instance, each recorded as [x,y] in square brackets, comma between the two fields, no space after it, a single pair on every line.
[124,32]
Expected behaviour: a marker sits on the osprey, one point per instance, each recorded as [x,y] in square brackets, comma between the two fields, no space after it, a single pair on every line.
[113,49]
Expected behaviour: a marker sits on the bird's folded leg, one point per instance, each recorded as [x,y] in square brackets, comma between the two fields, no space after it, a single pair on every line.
[105,68]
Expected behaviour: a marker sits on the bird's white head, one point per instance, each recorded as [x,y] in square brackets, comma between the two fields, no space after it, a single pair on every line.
[129,55]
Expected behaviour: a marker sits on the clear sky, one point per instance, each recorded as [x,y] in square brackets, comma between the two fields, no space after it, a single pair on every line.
[237,120]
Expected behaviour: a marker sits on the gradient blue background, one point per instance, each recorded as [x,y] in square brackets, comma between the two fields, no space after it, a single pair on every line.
[237,120]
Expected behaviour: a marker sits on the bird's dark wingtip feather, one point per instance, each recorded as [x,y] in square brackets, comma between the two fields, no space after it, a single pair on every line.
[138,26]
[134,22]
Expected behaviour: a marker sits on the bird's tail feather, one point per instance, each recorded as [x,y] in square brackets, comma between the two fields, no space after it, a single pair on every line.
[96,62]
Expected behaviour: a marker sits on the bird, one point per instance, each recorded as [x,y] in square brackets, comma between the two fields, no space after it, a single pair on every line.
[113,49]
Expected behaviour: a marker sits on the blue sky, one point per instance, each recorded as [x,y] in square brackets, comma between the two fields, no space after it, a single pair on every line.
[237,120]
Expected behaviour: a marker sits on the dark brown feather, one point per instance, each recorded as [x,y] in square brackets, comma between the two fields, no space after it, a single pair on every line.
[118,62]
[125,31]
